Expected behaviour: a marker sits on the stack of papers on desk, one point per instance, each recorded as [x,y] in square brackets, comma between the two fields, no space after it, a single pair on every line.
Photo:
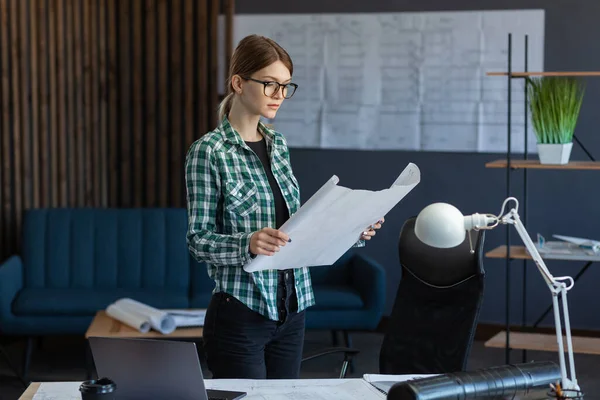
[568,248]
[559,250]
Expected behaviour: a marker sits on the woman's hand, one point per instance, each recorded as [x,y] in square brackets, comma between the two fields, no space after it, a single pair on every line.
[370,232]
[267,241]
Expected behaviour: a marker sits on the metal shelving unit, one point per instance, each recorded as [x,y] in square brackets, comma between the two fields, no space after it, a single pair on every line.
[527,341]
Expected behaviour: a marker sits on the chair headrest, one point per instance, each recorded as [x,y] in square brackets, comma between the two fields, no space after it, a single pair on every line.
[440,267]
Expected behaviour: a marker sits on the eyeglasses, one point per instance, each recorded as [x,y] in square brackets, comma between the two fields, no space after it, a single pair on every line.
[271,88]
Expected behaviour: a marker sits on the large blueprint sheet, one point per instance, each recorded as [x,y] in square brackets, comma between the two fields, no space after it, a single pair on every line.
[331,222]
[402,80]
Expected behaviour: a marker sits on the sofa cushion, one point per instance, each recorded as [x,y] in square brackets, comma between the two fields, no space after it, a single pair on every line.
[87,302]
[200,300]
[336,297]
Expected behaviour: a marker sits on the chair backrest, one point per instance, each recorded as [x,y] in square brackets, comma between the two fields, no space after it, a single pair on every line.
[437,306]
[106,248]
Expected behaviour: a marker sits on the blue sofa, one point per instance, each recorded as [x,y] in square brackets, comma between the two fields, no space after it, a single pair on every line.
[75,262]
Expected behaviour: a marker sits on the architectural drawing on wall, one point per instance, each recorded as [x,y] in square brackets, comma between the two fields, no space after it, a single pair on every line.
[401,81]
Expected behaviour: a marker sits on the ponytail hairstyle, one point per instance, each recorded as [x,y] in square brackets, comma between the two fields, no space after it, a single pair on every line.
[253,53]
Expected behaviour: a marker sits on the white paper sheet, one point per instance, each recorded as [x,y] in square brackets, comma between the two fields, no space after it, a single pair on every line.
[354,68]
[385,382]
[332,221]
[58,391]
[302,389]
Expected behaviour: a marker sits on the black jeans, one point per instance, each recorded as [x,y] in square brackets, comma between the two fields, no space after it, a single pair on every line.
[240,343]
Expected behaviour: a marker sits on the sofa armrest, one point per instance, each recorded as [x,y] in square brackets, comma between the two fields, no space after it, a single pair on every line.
[11,282]
[368,276]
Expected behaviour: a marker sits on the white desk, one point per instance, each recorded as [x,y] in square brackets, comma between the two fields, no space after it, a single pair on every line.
[315,389]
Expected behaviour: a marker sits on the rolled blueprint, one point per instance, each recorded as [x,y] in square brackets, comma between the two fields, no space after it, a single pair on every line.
[133,320]
[141,316]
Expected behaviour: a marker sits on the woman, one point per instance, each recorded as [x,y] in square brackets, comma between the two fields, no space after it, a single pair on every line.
[240,190]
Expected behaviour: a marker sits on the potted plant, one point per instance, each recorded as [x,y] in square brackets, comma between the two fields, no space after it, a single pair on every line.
[555,103]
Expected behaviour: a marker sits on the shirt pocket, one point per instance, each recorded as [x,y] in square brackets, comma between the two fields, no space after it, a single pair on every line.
[241,197]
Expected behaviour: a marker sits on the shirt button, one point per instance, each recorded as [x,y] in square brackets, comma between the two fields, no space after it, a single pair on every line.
[287,275]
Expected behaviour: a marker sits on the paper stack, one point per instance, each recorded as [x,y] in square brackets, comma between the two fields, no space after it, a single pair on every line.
[143,317]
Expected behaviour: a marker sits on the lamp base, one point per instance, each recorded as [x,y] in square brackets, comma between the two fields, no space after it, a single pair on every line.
[570,394]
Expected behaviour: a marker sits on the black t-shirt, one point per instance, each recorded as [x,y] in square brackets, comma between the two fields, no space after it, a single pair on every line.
[286,277]
[281,210]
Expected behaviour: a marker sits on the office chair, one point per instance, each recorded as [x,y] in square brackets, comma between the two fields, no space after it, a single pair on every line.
[435,313]
[348,352]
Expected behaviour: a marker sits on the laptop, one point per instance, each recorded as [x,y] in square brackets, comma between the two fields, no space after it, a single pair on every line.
[154,369]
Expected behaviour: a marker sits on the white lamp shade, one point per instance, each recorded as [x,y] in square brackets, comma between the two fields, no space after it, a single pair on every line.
[440,225]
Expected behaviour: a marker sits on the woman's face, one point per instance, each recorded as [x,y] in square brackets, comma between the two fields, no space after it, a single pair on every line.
[253,93]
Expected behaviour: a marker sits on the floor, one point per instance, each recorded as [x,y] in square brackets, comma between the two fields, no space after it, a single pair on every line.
[62,359]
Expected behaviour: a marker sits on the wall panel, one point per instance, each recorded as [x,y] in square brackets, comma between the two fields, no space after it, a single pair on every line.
[100,101]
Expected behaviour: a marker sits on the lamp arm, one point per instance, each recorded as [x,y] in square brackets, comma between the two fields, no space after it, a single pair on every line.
[557,287]
[512,218]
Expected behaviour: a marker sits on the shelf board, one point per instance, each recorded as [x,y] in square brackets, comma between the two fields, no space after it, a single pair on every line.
[516,252]
[535,164]
[545,73]
[520,253]
[544,342]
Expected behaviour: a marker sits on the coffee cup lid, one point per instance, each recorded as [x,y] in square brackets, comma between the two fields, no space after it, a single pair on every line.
[102,385]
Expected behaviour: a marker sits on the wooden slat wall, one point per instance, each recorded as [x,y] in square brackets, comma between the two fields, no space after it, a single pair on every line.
[100,100]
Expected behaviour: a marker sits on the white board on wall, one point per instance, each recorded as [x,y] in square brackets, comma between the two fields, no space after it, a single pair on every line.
[403,81]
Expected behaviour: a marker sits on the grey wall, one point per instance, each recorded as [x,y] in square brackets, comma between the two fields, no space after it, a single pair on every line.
[559,201]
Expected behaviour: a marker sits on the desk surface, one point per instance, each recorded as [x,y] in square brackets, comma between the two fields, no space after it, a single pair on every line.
[355,388]
[106,326]
[31,390]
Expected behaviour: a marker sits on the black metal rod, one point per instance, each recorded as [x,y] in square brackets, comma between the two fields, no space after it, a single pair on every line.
[583,147]
[508,172]
[526,149]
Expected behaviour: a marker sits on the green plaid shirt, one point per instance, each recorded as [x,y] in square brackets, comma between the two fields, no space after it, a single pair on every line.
[229,198]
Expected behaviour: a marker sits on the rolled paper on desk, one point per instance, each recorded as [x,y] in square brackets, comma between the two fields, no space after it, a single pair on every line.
[141,316]
[133,320]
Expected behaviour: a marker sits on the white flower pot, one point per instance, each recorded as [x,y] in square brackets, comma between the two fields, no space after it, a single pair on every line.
[554,153]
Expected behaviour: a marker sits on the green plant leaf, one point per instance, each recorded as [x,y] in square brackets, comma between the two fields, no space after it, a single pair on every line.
[554,103]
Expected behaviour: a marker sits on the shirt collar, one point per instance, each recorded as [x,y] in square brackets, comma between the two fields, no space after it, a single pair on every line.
[232,136]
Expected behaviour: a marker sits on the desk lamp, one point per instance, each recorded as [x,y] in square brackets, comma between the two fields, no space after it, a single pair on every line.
[442,225]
